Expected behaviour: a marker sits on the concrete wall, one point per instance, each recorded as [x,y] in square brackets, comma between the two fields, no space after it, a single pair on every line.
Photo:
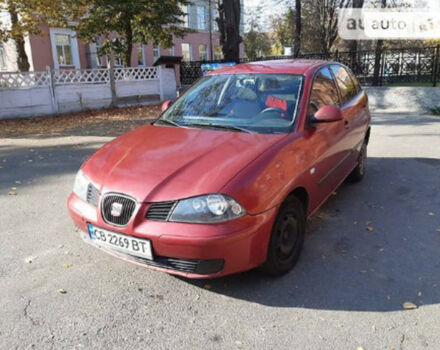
[75,97]
[416,100]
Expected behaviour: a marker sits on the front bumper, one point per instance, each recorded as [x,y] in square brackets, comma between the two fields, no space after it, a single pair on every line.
[189,250]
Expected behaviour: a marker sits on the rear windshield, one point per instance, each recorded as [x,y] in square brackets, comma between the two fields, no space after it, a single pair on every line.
[261,103]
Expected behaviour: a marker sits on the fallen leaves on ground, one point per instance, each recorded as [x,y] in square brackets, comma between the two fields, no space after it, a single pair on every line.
[62,291]
[50,125]
[370,228]
[409,305]
[67,266]
[207,286]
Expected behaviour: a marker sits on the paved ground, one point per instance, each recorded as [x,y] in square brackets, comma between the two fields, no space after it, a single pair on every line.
[347,291]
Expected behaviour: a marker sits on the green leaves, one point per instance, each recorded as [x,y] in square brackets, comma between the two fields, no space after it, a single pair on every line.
[122,23]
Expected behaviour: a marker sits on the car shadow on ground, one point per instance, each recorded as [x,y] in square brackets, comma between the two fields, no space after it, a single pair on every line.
[371,247]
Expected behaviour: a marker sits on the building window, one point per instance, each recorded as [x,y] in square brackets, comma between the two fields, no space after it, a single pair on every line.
[64,46]
[141,56]
[119,61]
[171,51]
[203,52]
[63,49]
[99,59]
[214,19]
[185,18]
[201,22]
[218,53]
[2,58]
[156,52]
[186,52]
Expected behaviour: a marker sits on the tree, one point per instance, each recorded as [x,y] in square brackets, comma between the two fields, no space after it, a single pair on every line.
[283,28]
[24,18]
[325,12]
[256,43]
[353,45]
[124,23]
[378,55]
[229,27]
[297,37]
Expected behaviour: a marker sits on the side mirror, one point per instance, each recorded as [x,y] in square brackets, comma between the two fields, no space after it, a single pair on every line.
[327,114]
[166,104]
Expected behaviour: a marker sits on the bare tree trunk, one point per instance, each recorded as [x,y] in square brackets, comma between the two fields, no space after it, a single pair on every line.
[378,56]
[22,58]
[297,39]
[353,45]
[229,27]
[129,39]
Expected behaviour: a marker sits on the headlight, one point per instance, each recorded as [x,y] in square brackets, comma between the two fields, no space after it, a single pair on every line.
[207,209]
[80,186]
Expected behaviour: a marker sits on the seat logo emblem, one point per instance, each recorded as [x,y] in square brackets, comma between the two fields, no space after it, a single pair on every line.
[116,209]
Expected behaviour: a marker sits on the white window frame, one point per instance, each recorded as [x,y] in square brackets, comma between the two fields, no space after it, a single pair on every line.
[171,51]
[3,64]
[214,16]
[218,54]
[73,47]
[190,51]
[187,10]
[144,62]
[201,17]
[99,59]
[206,56]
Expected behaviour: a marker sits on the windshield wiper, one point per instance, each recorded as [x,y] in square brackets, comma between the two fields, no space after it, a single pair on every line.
[221,126]
[169,122]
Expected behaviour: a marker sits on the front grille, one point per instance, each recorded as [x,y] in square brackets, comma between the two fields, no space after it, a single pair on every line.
[201,267]
[92,195]
[127,210]
[160,211]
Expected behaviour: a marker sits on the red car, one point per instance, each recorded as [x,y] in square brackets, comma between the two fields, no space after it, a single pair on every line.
[225,179]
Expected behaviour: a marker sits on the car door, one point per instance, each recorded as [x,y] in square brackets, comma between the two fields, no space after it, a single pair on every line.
[327,145]
[353,103]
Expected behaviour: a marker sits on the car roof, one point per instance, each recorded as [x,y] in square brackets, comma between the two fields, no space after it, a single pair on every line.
[288,66]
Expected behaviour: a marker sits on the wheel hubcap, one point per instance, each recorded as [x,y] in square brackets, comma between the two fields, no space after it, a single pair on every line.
[287,237]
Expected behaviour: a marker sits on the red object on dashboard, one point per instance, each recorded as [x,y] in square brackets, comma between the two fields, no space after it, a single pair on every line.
[276,102]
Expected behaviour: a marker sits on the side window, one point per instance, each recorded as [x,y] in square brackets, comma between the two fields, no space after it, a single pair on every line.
[355,80]
[345,83]
[324,91]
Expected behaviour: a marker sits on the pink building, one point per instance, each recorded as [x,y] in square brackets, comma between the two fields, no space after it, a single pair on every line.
[59,48]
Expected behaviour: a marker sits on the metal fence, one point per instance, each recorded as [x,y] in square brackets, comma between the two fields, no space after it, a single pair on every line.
[411,65]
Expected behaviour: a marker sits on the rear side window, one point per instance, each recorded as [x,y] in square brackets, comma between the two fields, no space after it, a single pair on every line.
[324,91]
[355,80]
[346,85]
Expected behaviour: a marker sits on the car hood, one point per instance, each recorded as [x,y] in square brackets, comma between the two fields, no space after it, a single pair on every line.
[159,163]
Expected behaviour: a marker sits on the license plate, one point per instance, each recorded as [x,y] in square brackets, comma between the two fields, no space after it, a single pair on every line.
[122,243]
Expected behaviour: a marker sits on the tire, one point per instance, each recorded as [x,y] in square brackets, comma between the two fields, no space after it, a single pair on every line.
[287,238]
[358,173]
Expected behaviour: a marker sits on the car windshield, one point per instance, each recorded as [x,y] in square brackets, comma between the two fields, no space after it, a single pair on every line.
[256,103]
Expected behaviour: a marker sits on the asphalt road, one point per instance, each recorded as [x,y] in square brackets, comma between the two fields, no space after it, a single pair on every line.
[372,247]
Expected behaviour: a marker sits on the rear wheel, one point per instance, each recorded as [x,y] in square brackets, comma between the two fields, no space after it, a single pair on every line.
[358,173]
[287,238]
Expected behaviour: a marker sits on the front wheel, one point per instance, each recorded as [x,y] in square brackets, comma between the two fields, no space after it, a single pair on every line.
[358,173]
[287,238]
